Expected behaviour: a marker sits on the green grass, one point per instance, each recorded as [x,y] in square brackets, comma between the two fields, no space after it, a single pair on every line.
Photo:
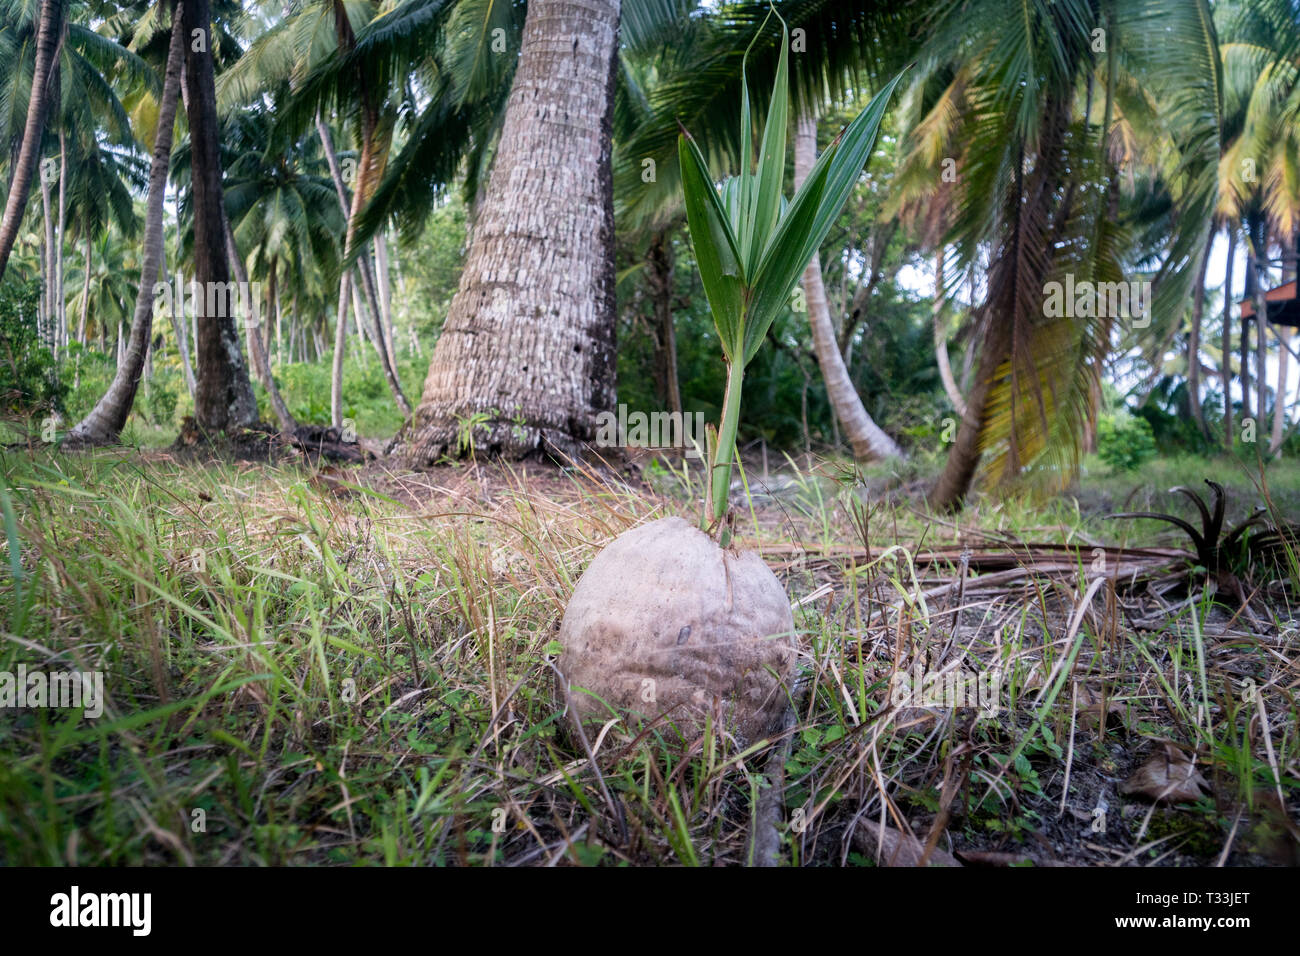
[359,674]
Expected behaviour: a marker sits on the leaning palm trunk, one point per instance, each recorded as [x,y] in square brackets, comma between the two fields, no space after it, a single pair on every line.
[1004,308]
[528,346]
[105,422]
[868,441]
[47,44]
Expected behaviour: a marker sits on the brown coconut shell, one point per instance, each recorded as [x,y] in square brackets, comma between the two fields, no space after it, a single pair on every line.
[665,622]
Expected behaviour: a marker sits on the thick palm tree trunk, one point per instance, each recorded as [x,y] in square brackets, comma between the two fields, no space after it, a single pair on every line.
[105,422]
[868,441]
[529,339]
[47,45]
[224,396]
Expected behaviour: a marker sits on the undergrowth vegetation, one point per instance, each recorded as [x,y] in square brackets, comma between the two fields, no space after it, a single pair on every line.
[322,666]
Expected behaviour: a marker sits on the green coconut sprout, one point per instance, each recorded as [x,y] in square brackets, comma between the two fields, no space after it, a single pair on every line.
[752,245]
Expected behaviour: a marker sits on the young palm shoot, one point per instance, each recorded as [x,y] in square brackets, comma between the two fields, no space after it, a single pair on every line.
[752,245]
[669,626]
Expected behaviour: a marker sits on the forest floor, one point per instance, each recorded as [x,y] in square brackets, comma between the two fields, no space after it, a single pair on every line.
[334,665]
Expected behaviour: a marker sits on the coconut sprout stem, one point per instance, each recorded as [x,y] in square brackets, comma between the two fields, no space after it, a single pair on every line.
[725,449]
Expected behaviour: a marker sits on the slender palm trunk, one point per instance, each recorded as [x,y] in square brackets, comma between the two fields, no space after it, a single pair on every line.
[47,44]
[85,296]
[346,287]
[1280,408]
[1226,347]
[659,272]
[1194,344]
[48,267]
[529,339]
[1283,333]
[340,347]
[224,396]
[385,296]
[1255,276]
[61,326]
[868,441]
[257,351]
[368,170]
[106,420]
[274,293]
[1244,357]
[1261,338]
[941,340]
[178,327]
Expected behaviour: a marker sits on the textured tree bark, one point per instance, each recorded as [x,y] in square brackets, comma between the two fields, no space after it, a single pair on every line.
[224,396]
[1227,340]
[106,420]
[868,441]
[529,339]
[47,46]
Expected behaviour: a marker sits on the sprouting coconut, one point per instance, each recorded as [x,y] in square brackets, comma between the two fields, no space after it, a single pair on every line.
[672,620]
